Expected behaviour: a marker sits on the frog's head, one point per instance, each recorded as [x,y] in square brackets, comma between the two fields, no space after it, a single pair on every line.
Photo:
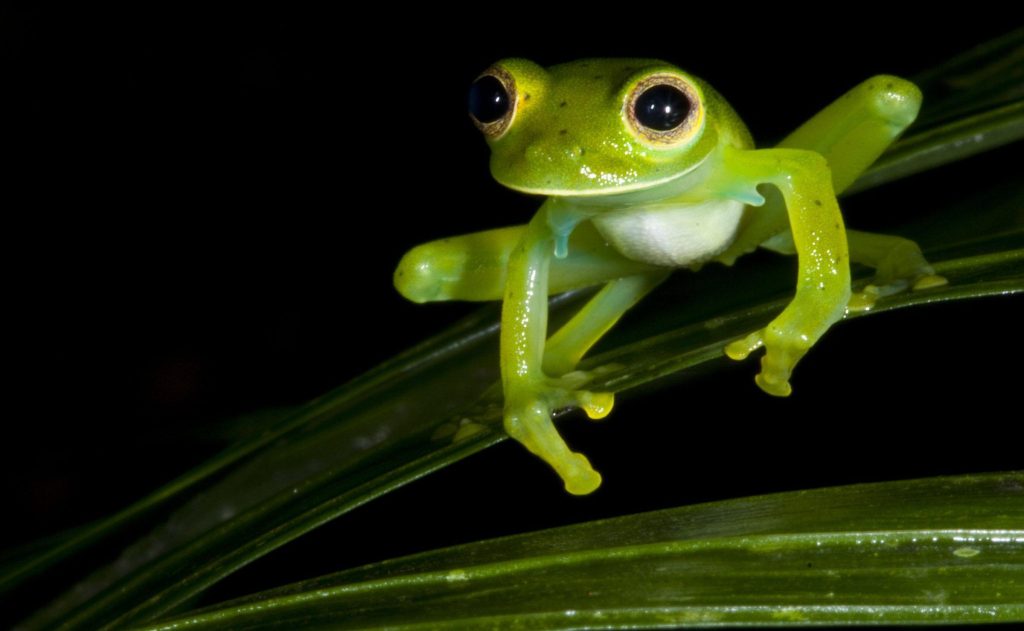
[590,127]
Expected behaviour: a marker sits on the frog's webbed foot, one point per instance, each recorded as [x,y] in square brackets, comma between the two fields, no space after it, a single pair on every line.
[899,266]
[528,409]
[785,342]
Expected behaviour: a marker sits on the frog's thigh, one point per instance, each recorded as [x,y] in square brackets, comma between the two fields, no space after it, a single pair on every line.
[854,130]
[851,134]
[566,348]
[475,266]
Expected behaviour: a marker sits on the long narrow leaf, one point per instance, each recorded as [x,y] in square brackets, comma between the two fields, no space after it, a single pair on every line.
[174,578]
[935,550]
[20,567]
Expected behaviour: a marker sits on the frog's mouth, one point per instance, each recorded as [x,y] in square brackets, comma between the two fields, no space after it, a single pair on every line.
[590,182]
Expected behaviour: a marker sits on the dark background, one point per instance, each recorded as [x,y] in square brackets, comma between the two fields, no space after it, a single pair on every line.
[203,213]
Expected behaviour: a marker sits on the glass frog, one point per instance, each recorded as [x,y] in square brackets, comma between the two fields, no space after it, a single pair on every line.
[645,169]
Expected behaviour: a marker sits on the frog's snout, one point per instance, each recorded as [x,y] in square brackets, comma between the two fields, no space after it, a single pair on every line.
[548,151]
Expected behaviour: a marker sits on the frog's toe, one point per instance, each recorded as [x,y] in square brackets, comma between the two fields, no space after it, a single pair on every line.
[565,392]
[582,479]
[863,300]
[742,348]
[596,405]
[774,386]
[776,367]
[784,346]
[528,420]
[929,281]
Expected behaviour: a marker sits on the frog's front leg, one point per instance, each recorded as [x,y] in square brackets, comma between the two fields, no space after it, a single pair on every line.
[530,395]
[475,266]
[823,283]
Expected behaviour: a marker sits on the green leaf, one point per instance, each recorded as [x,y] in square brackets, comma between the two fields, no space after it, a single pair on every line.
[364,470]
[934,550]
[986,77]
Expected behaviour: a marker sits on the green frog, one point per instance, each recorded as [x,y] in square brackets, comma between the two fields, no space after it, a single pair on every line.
[645,169]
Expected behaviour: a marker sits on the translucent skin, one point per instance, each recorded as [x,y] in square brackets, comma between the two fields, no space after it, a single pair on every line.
[621,202]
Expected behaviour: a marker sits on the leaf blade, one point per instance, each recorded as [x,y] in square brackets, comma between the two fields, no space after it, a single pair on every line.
[933,550]
[154,594]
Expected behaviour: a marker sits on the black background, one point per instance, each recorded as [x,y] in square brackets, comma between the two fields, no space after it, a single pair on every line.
[203,213]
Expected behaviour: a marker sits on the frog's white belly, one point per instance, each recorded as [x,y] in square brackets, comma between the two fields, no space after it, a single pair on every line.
[672,235]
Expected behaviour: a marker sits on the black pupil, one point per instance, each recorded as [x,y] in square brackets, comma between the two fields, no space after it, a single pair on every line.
[488,100]
[662,107]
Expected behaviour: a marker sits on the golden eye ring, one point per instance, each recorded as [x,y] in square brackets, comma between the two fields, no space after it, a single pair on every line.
[664,109]
[493,101]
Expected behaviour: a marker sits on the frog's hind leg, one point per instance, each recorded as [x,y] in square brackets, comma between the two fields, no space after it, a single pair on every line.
[851,134]
[898,262]
[858,127]
[566,348]
[475,266]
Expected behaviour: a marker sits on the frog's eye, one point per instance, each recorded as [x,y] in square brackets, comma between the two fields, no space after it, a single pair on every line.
[492,101]
[664,109]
